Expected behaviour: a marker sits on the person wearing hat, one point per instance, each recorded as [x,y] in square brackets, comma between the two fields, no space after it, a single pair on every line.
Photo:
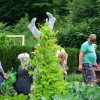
[87,59]
[24,80]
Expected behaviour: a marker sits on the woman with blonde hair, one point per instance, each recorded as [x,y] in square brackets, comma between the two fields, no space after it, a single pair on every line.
[62,57]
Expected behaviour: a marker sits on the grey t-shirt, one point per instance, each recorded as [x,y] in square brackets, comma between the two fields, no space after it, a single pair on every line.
[1,69]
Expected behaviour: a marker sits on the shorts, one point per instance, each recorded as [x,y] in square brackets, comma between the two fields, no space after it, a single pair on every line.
[88,73]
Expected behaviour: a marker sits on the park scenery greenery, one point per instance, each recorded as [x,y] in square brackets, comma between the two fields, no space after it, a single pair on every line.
[75,20]
[48,78]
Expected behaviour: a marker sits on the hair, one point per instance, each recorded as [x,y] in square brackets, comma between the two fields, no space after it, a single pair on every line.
[62,56]
[92,37]
[23,57]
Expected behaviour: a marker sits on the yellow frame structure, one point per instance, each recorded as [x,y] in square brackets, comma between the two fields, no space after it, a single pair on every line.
[19,36]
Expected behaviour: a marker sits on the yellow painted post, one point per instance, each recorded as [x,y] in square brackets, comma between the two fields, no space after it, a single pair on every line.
[19,36]
[23,40]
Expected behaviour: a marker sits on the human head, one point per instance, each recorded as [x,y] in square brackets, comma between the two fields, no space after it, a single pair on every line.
[92,38]
[62,56]
[24,58]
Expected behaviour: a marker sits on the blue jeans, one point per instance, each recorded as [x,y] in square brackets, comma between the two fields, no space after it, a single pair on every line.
[1,80]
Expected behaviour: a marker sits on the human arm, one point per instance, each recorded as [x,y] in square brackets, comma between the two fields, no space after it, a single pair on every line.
[96,65]
[2,72]
[65,72]
[80,60]
[3,75]
[63,65]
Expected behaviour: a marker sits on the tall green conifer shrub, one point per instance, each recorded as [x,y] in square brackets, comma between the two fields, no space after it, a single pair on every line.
[48,75]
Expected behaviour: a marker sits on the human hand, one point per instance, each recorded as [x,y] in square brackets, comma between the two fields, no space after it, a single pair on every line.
[97,66]
[80,68]
[65,73]
[5,77]
[36,37]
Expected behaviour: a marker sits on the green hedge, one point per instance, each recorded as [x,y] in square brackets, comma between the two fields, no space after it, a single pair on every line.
[74,77]
[73,55]
[8,56]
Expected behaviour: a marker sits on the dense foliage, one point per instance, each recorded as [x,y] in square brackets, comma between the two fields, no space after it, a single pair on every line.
[9,54]
[74,77]
[8,57]
[18,9]
[21,28]
[48,79]
[75,19]
[7,87]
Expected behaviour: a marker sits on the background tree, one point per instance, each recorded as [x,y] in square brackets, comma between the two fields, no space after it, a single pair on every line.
[11,10]
[76,19]
[82,20]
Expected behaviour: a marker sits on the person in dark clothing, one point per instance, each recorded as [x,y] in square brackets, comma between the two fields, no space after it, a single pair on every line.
[98,55]
[24,80]
[98,58]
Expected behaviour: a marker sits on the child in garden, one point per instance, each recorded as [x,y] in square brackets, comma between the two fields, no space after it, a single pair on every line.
[24,80]
[62,58]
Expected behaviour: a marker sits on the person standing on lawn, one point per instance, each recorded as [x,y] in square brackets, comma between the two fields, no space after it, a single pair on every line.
[2,74]
[23,80]
[87,60]
[62,58]
[98,55]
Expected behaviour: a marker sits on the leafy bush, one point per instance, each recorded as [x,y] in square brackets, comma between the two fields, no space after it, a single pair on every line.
[5,29]
[9,54]
[95,28]
[48,76]
[74,77]
[17,97]
[72,59]
[7,87]
[68,96]
[73,35]
[8,57]
[21,28]
[2,40]
[84,92]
